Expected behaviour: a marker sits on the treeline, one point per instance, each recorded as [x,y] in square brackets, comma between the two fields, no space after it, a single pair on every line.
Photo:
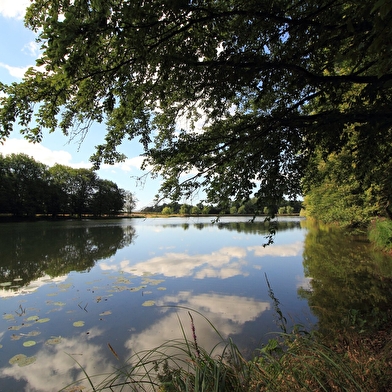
[251,206]
[348,189]
[28,188]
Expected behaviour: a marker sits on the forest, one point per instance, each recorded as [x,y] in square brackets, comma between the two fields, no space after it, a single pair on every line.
[29,188]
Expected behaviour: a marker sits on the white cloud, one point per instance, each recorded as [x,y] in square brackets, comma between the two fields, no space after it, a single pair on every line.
[227,313]
[16,72]
[127,165]
[286,250]
[13,8]
[40,153]
[32,49]
[224,263]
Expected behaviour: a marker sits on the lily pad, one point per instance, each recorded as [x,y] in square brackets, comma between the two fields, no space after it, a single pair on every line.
[5,284]
[58,303]
[33,333]
[15,328]
[137,288]
[161,288]
[32,318]
[148,303]
[121,279]
[15,337]
[78,324]
[106,313]
[29,343]
[22,360]
[18,279]
[1,345]
[54,340]
[8,316]
[43,320]
[153,282]
[64,286]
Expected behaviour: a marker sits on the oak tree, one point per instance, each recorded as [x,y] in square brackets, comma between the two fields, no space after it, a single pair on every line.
[270,81]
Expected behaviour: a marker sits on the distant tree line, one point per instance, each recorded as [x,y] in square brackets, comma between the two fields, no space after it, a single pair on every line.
[251,206]
[28,188]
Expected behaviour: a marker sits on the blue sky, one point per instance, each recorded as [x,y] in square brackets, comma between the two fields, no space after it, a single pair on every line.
[18,51]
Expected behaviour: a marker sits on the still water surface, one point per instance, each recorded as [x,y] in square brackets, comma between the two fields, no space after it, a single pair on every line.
[70,289]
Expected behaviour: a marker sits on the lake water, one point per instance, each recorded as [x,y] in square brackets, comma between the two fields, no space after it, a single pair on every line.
[92,293]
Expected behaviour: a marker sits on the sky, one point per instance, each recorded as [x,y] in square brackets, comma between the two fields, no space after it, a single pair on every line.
[18,51]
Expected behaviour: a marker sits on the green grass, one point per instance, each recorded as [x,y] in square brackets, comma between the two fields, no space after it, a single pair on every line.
[291,361]
[380,234]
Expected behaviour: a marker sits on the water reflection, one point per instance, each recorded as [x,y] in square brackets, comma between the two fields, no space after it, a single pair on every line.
[350,283]
[30,251]
[105,273]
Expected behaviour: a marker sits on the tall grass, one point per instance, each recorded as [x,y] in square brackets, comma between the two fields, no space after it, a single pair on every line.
[291,361]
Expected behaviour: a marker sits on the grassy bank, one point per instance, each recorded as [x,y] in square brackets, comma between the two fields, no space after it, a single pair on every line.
[291,361]
[380,234]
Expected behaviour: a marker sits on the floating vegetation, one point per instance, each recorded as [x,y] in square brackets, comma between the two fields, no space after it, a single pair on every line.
[15,337]
[8,316]
[161,288]
[148,303]
[1,346]
[32,318]
[119,288]
[43,320]
[22,360]
[106,313]
[153,282]
[52,294]
[18,279]
[58,303]
[15,327]
[32,333]
[29,343]
[5,284]
[121,279]
[54,340]
[147,292]
[64,286]
[137,288]
[78,324]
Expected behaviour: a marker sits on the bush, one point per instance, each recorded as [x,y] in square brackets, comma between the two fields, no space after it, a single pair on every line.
[167,211]
[380,234]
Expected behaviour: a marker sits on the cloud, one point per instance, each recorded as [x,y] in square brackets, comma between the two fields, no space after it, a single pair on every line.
[13,8]
[224,263]
[16,72]
[286,250]
[40,153]
[32,286]
[55,368]
[127,165]
[227,313]
[32,49]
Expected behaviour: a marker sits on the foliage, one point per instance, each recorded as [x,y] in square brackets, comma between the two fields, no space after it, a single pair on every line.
[350,284]
[348,188]
[270,81]
[380,233]
[28,188]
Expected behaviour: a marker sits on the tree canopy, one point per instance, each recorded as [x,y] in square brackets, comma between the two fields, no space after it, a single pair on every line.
[28,188]
[271,80]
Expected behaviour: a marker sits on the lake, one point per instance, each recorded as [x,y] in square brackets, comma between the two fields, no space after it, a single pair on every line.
[92,293]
